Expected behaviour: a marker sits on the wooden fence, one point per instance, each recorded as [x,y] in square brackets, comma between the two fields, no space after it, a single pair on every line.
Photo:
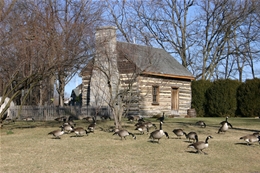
[45,113]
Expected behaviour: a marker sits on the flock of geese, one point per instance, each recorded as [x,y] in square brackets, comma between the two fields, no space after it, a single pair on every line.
[143,126]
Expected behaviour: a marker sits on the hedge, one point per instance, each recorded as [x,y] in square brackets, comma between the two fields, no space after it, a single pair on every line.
[248,98]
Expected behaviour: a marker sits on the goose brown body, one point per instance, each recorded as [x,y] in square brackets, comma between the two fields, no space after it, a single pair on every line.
[149,125]
[201,124]
[123,133]
[142,128]
[57,133]
[179,133]
[67,128]
[80,131]
[192,136]
[91,126]
[200,145]
[158,134]
[251,138]
[224,126]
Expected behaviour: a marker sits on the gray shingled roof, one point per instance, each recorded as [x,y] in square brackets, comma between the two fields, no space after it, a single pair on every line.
[163,62]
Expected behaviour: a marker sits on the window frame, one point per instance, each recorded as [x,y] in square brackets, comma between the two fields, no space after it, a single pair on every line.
[155,96]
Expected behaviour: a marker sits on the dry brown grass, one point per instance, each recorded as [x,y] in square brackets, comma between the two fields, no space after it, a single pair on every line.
[26,147]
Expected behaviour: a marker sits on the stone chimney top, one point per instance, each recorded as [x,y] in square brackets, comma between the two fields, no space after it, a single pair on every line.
[105,34]
[106,41]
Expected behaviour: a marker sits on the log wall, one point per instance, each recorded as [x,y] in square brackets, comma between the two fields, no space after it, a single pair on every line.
[165,87]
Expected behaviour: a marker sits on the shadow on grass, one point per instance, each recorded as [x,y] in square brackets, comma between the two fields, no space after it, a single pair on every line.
[55,138]
[241,143]
[25,127]
[250,144]
[196,152]
[193,152]
[154,142]
[76,136]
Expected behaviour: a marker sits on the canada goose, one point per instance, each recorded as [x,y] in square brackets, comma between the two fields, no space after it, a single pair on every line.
[138,124]
[256,134]
[57,133]
[161,119]
[141,128]
[251,138]
[105,117]
[141,119]
[9,120]
[71,123]
[224,126]
[123,133]
[201,124]
[130,118]
[223,122]
[133,118]
[88,119]
[61,119]
[4,117]
[29,119]
[80,131]
[158,134]
[67,128]
[91,126]
[200,145]
[178,133]
[149,124]
[192,136]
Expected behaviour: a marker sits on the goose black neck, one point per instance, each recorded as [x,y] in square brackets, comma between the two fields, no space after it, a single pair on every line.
[206,141]
[160,125]
[196,138]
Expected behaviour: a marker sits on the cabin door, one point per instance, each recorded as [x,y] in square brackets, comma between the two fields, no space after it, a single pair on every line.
[175,99]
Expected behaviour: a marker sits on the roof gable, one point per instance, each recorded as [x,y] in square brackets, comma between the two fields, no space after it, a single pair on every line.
[153,61]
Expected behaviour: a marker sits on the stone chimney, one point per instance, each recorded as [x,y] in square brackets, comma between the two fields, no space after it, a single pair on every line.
[105,72]
[106,40]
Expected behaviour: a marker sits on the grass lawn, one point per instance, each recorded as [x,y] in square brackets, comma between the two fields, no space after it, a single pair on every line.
[26,147]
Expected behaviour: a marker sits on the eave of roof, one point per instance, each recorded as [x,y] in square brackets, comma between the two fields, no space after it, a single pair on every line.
[169,75]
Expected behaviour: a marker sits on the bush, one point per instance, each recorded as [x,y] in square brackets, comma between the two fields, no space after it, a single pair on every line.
[199,89]
[221,98]
[248,98]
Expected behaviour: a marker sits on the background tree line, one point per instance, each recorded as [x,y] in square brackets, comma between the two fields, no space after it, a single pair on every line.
[226,98]
[214,39]
[45,43]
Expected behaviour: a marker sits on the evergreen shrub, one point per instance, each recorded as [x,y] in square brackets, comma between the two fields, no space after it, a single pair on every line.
[221,98]
[248,98]
[199,89]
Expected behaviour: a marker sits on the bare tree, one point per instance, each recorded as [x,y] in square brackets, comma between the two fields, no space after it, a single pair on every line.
[200,34]
[164,23]
[219,21]
[38,46]
[115,72]
[72,25]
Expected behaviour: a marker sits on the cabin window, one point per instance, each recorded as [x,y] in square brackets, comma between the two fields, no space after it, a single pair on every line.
[155,95]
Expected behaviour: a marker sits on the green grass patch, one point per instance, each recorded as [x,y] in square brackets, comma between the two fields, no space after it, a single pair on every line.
[9,132]
[29,148]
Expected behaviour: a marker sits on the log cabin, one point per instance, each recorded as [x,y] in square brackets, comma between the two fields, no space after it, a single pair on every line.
[154,81]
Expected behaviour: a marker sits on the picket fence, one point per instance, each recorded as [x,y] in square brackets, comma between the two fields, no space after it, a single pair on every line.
[45,113]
